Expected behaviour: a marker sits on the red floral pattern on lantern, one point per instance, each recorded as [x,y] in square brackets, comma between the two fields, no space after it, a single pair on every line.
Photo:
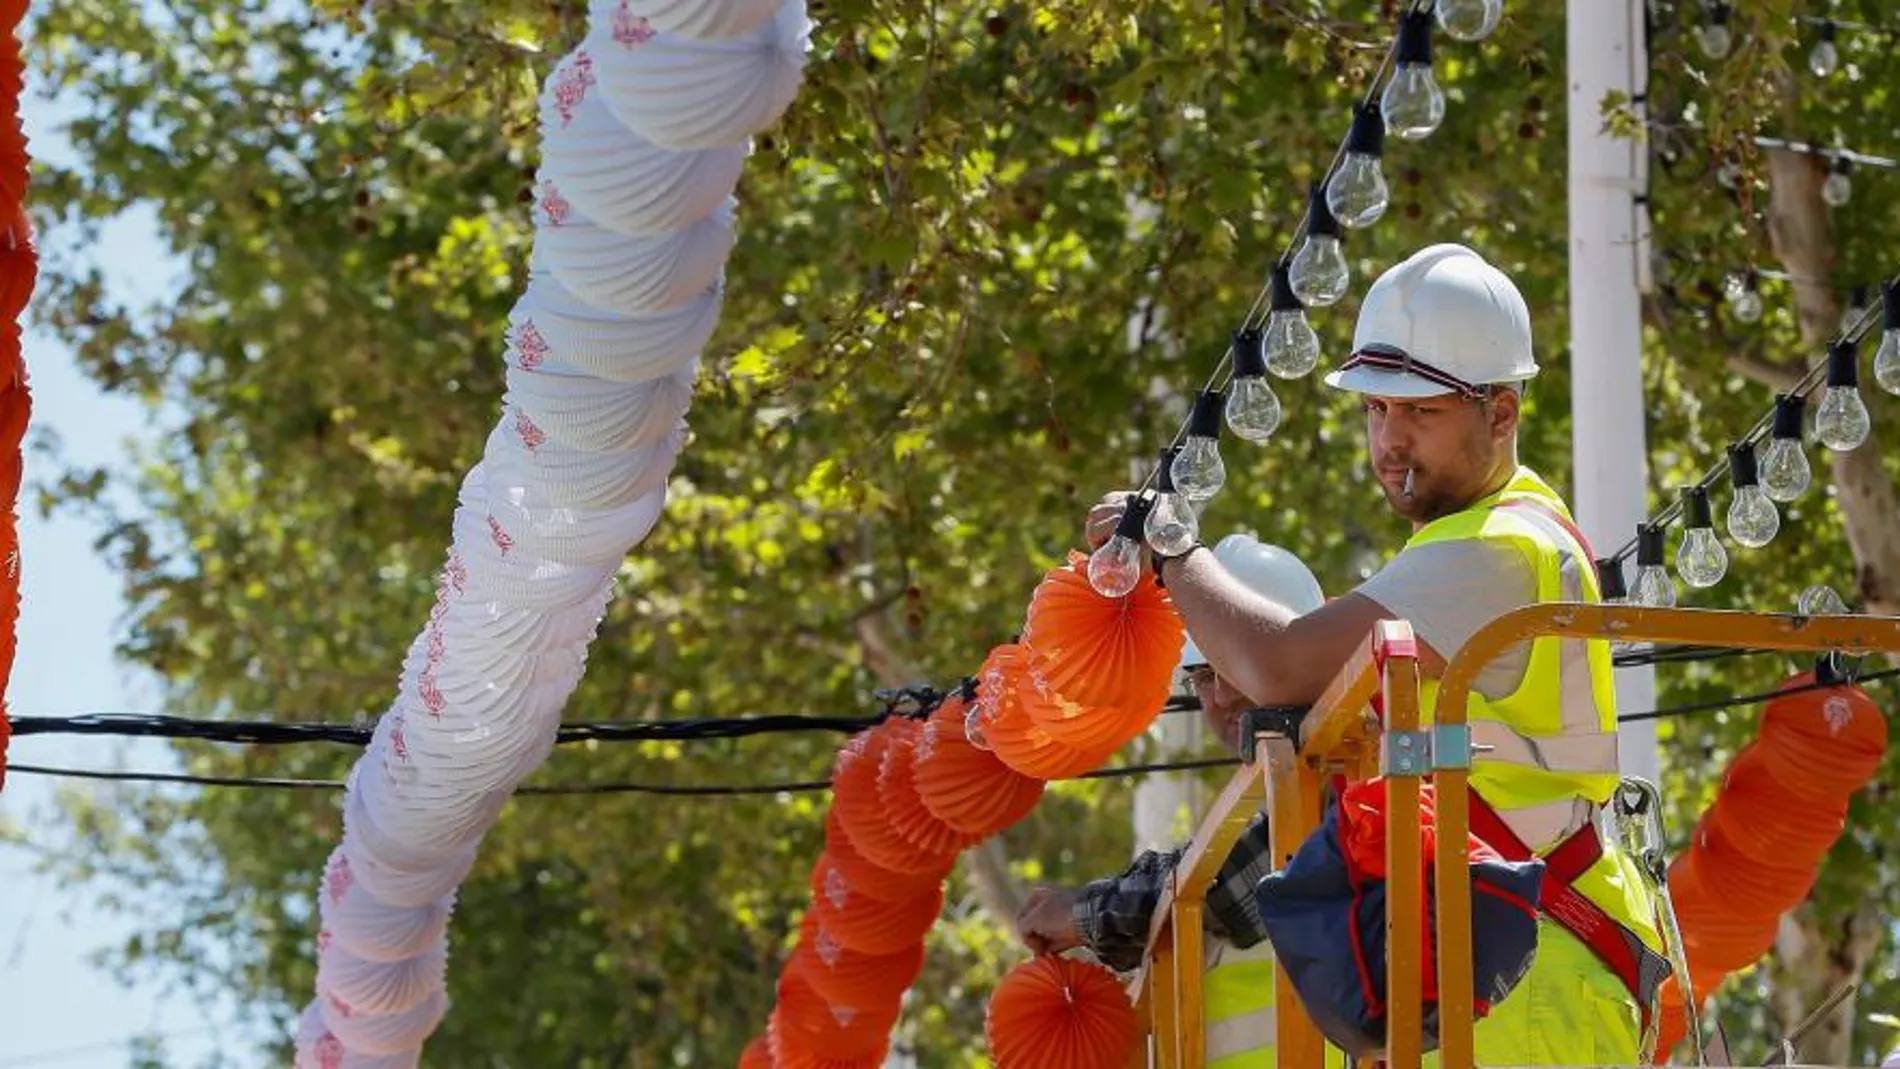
[530,347]
[500,537]
[342,1007]
[531,433]
[553,205]
[329,1052]
[337,881]
[431,694]
[398,742]
[571,85]
[323,939]
[631,29]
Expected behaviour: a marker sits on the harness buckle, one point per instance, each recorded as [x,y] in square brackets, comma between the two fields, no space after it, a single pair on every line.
[1406,753]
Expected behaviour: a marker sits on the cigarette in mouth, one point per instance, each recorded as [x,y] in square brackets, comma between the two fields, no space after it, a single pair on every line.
[1406,489]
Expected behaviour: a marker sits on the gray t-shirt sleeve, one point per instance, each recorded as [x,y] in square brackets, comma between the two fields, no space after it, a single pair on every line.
[1448,590]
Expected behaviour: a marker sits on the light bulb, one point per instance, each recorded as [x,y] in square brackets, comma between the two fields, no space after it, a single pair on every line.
[1841,421]
[1253,412]
[1469,20]
[1753,519]
[1412,103]
[1854,311]
[1700,559]
[1357,194]
[1292,346]
[1820,600]
[1838,187]
[1744,296]
[1784,467]
[1653,588]
[1825,59]
[1115,566]
[1713,35]
[1172,527]
[1198,471]
[1319,274]
[1887,357]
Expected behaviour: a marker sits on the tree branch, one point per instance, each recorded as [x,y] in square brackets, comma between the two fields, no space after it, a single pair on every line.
[1762,370]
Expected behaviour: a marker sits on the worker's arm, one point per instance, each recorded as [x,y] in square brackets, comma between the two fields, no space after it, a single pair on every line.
[1111,916]
[1275,656]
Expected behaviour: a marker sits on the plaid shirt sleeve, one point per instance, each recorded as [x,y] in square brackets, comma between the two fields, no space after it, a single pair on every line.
[1112,915]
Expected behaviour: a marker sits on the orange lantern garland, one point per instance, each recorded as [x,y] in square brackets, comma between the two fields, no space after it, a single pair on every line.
[1058,1013]
[969,789]
[19,268]
[757,1054]
[1758,849]
[908,797]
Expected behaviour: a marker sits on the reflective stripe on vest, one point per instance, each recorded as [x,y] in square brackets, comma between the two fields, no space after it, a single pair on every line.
[1238,989]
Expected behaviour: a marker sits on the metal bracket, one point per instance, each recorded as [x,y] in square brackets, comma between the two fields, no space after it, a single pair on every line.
[1451,746]
[1406,753]
[1284,720]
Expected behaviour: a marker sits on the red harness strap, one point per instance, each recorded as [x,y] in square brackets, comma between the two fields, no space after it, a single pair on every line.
[1622,951]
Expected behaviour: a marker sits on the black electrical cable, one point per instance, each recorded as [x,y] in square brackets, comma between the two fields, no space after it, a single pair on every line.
[801,786]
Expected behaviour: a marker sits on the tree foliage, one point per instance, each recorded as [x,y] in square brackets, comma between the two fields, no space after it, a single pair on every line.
[984,260]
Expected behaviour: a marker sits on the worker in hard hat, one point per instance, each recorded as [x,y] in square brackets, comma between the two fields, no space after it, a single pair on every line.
[1441,356]
[1111,916]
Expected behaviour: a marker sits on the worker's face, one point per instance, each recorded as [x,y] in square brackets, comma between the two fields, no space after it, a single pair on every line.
[1221,704]
[1452,445]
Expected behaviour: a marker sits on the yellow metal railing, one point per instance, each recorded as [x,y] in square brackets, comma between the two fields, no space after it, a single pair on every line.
[1341,734]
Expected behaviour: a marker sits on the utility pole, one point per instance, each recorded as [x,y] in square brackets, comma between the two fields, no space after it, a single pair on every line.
[1605,52]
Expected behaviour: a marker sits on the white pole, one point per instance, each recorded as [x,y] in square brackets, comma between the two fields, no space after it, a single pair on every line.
[1604,53]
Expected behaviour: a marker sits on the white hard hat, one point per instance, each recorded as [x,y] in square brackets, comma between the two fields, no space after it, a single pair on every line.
[1269,570]
[1442,321]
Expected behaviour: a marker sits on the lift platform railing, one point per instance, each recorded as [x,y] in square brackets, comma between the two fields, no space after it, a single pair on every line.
[1287,762]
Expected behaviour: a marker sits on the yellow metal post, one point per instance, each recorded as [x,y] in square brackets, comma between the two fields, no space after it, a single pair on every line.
[1404,765]
[1293,796]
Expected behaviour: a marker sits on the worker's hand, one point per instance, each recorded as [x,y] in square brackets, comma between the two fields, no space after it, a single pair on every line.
[1045,923]
[1104,516]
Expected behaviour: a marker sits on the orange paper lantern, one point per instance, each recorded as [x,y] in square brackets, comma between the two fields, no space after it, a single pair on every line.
[849,978]
[862,876]
[969,789]
[1055,1013]
[1005,723]
[897,784]
[815,1025]
[859,803]
[1757,851]
[757,1054]
[869,926]
[1105,652]
[792,1049]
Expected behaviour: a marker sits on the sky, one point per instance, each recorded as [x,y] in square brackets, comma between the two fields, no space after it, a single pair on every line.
[61,1011]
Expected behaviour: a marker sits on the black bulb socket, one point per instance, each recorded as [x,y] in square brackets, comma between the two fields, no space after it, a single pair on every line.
[1695,505]
[1649,545]
[1204,421]
[1164,478]
[1415,37]
[1134,522]
[1751,280]
[1827,30]
[1742,471]
[1319,217]
[1716,14]
[1610,579]
[1788,407]
[1890,305]
[1366,136]
[1843,364]
[1840,165]
[1282,298]
[1250,354]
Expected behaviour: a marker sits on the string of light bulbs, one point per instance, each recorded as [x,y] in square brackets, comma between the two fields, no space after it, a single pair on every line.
[1275,337]
[1716,40]
[1779,476]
